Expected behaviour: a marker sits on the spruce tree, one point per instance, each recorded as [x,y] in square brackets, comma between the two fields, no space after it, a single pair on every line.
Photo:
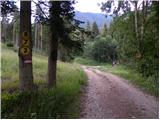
[88,27]
[61,13]
[95,30]
[104,30]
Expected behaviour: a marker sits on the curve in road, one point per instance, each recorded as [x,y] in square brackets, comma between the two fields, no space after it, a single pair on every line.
[109,96]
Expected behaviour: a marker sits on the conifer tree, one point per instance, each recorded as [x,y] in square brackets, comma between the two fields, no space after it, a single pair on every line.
[104,30]
[95,30]
[61,12]
[88,27]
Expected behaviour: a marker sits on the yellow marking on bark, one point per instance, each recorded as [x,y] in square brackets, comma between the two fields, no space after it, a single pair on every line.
[25,50]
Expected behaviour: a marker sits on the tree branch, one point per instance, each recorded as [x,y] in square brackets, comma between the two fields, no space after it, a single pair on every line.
[40,9]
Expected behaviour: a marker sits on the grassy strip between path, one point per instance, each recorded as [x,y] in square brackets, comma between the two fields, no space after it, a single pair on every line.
[146,84]
[61,102]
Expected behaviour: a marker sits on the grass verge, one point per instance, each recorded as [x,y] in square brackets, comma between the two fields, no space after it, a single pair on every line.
[144,83]
[85,61]
[60,102]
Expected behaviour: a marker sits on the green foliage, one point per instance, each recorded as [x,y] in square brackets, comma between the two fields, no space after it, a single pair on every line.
[104,50]
[16,105]
[61,102]
[101,49]
[9,44]
[95,30]
[88,50]
[122,31]
[104,31]
[142,53]
[73,47]
[149,63]
[85,61]
[145,83]
[88,27]
[10,69]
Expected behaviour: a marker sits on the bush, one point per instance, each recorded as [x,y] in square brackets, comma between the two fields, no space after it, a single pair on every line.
[9,44]
[104,50]
[85,61]
[88,50]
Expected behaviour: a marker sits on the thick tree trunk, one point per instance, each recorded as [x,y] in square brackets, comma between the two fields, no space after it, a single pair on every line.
[25,51]
[52,60]
[55,22]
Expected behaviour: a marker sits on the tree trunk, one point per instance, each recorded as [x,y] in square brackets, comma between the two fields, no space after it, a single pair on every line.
[144,16]
[17,37]
[55,22]
[25,51]
[35,41]
[4,28]
[41,34]
[14,34]
[136,21]
[142,28]
[52,60]
[138,37]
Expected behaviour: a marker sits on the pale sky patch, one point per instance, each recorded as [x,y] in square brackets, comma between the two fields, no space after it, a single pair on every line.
[88,6]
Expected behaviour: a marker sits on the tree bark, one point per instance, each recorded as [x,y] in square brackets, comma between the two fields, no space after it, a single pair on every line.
[35,38]
[4,28]
[55,24]
[41,34]
[136,21]
[17,36]
[142,28]
[14,34]
[52,60]
[25,69]
[144,16]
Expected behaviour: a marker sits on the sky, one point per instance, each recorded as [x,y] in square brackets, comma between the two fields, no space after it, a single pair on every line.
[81,5]
[85,5]
[88,6]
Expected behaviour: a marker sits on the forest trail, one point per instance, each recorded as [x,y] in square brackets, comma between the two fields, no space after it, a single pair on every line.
[109,96]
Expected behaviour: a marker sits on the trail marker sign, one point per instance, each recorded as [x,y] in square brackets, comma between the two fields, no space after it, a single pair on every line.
[25,49]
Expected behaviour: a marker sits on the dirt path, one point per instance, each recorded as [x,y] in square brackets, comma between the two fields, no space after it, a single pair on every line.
[109,96]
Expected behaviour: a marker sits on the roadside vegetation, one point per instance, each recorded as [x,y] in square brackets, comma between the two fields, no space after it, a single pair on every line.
[60,102]
[130,43]
[144,83]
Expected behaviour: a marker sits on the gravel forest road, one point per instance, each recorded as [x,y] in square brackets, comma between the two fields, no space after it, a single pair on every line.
[109,96]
